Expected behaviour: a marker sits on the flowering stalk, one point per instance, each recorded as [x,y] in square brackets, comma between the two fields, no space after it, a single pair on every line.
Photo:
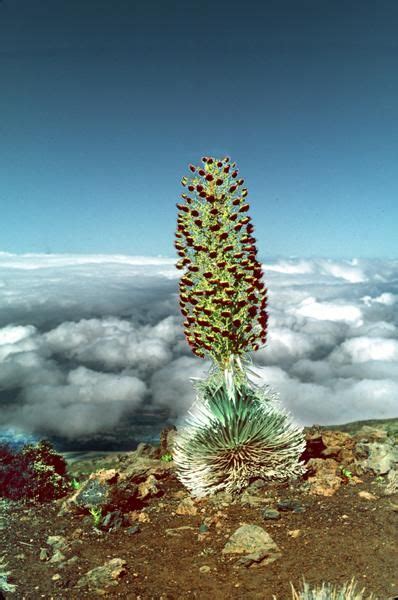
[222,296]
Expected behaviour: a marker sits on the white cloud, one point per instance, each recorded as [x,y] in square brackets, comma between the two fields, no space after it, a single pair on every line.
[86,340]
[330,311]
[363,349]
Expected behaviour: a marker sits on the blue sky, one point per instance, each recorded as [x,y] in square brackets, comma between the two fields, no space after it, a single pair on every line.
[103,105]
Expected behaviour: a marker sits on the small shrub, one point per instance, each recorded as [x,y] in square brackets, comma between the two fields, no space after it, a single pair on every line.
[226,445]
[35,472]
[330,592]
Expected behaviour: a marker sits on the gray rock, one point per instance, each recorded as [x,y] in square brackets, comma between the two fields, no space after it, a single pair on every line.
[254,542]
[377,457]
[114,520]
[290,505]
[270,514]
[57,557]
[57,542]
[132,530]
[105,576]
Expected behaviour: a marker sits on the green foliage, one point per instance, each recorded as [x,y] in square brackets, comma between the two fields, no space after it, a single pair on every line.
[5,586]
[35,472]
[96,513]
[75,484]
[330,592]
[346,472]
[167,457]
[226,445]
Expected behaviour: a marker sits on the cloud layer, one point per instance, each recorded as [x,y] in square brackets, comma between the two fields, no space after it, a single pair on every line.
[86,341]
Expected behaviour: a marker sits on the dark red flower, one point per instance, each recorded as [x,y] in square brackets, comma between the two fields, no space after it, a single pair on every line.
[225,333]
[193,168]
[245,220]
[191,188]
[195,213]
[237,322]
[209,177]
[221,264]
[252,311]
[241,303]
[181,253]
[194,268]
[238,255]
[203,323]
[227,168]
[219,164]
[216,329]
[203,194]
[232,268]
[224,284]
[226,159]
[223,236]
[244,208]
[213,254]
[232,188]
[201,172]
[230,293]
[208,311]
[204,159]
[238,226]
[211,198]
[236,201]
[219,181]
[252,297]
[214,211]
[208,274]
[210,161]
[198,222]
[179,266]
[215,227]
[234,174]
[233,217]
[226,313]
[248,328]
[228,248]
[210,338]
[198,247]
[199,187]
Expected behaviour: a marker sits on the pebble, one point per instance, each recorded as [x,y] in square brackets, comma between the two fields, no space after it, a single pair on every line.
[205,569]
[293,505]
[270,514]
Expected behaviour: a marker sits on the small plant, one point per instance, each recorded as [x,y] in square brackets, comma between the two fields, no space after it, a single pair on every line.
[329,592]
[5,586]
[346,473]
[96,513]
[167,457]
[75,484]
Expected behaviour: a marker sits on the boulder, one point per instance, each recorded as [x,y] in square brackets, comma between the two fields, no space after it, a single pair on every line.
[254,543]
[105,576]
[323,476]
[377,457]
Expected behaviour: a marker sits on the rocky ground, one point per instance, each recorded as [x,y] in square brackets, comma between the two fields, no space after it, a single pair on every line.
[145,538]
